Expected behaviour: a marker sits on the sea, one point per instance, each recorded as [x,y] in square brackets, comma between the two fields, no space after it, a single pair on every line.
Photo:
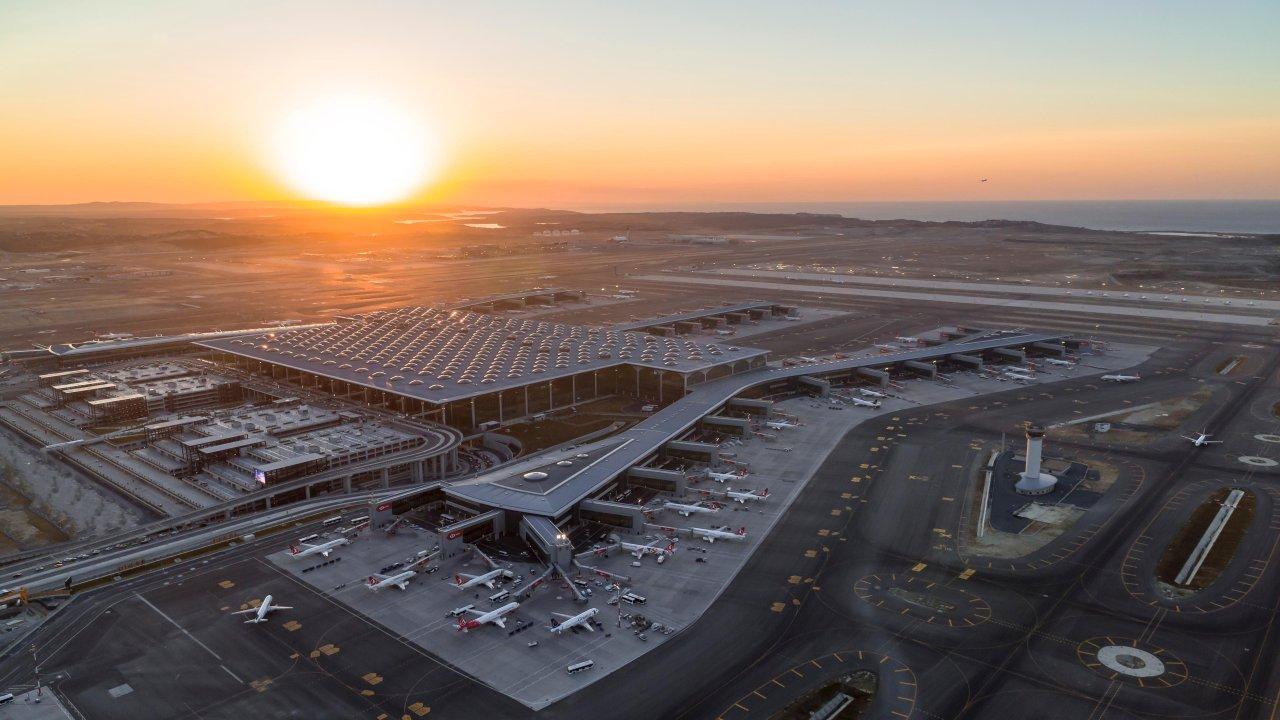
[1174,216]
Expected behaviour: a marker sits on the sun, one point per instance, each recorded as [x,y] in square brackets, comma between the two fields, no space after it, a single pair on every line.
[354,151]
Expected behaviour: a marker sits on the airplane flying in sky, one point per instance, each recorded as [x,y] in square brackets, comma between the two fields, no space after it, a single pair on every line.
[744,497]
[569,622]
[722,533]
[323,548]
[463,581]
[260,613]
[399,580]
[1202,439]
[1121,378]
[726,476]
[780,424]
[493,617]
[687,510]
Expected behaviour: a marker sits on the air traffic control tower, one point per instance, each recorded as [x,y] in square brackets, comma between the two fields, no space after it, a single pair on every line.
[1032,481]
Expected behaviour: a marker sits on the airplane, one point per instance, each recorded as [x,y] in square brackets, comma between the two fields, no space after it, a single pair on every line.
[652,548]
[1121,378]
[865,403]
[779,424]
[487,579]
[744,497]
[1020,374]
[495,617]
[723,533]
[1056,361]
[323,548]
[886,347]
[791,318]
[687,510]
[1202,439]
[399,580]
[582,619]
[806,359]
[260,613]
[871,393]
[910,340]
[724,477]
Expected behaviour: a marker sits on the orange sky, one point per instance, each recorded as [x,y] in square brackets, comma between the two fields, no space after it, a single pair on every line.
[567,104]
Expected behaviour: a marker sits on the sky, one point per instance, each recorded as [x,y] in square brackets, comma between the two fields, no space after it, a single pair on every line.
[557,103]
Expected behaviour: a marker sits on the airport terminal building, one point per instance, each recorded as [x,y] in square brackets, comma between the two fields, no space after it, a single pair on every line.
[466,369]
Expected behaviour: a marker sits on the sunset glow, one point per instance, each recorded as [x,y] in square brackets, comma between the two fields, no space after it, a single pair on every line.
[353,151]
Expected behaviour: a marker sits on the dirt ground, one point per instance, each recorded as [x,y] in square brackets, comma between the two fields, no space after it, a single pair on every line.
[44,502]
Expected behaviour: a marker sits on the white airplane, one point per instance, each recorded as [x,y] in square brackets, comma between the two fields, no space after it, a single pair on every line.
[582,619]
[779,424]
[1019,374]
[744,496]
[687,510]
[1202,439]
[1121,378]
[323,548]
[399,580]
[723,533]
[1056,361]
[494,617]
[487,579]
[260,613]
[911,340]
[791,318]
[652,548]
[864,392]
[807,359]
[865,403]
[724,477]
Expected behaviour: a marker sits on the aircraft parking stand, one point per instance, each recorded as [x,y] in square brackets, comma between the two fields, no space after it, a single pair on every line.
[679,591]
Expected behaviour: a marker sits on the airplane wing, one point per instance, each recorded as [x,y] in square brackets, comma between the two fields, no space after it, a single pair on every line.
[500,622]
[475,612]
[403,584]
[281,607]
[246,612]
[562,615]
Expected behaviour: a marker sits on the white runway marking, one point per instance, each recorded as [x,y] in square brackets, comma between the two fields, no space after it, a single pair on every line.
[175,624]
[224,667]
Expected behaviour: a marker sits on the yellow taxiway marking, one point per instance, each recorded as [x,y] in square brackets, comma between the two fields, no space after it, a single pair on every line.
[419,709]
[794,579]
[226,584]
[778,607]
[292,626]
[810,553]
[919,566]
[372,678]
[968,573]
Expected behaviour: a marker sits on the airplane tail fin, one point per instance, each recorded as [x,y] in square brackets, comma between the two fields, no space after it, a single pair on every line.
[742,530]
[293,550]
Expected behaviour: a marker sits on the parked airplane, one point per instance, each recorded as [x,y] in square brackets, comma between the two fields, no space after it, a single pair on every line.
[807,359]
[494,617]
[582,619]
[722,533]
[910,340]
[791,318]
[724,477]
[260,613]
[744,497]
[871,393]
[687,510]
[399,580]
[652,548]
[1202,439]
[1121,378]
[865,403]
[1063,363]
[323,548]
[780,424]
[487,579]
